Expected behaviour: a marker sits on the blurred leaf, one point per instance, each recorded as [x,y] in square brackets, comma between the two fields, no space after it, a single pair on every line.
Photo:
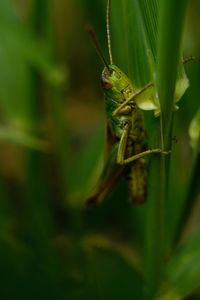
[128,253]
[190,197]
[110,277]
[87,167]
[194,130]
[183,270]
[17,136]
[19,54]
[6,220]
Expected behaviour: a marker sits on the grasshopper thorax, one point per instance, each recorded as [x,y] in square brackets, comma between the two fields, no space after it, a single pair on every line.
[114,81]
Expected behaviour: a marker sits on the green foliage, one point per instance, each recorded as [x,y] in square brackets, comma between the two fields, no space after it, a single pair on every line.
[52,136]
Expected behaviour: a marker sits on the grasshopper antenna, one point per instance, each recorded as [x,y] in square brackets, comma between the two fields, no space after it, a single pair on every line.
[108,31]
[94,39]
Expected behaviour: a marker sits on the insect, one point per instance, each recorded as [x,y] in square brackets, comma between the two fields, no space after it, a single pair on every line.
[126,124]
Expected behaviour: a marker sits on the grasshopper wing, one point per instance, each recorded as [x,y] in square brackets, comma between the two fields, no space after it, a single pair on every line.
[110,175]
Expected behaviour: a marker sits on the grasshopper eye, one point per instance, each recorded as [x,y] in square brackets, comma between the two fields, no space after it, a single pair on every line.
[106,83]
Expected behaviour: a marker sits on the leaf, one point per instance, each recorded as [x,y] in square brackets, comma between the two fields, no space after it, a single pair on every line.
[20,137]
[183,270]
[87,167]
[138,33]
[20,54]
[194,130]
[169,47]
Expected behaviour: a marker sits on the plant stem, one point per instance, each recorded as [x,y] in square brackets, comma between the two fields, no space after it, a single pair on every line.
[172,13]
[155,218]
[56,94]
[171,17]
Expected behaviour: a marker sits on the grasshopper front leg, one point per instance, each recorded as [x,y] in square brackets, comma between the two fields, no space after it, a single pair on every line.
[122,148]
[123,106]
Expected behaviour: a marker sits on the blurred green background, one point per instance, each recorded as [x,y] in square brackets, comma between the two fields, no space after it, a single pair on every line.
[52,136]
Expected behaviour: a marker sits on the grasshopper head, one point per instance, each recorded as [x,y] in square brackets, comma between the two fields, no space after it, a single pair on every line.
[113,80]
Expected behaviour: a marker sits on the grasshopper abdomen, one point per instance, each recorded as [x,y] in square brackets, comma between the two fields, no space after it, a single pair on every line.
[137,181]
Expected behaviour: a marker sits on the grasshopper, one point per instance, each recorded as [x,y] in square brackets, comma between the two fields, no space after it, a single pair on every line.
[126,123]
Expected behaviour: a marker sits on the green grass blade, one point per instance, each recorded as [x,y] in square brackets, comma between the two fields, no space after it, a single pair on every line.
[171,21]
[86,168]
[149,13]
[155,239]
[20,137]
[18,52]
[155,216]
[130,44]
[139,37]
[193,188]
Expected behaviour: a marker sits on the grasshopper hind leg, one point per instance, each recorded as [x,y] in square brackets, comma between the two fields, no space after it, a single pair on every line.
[123,146]
[137,169]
